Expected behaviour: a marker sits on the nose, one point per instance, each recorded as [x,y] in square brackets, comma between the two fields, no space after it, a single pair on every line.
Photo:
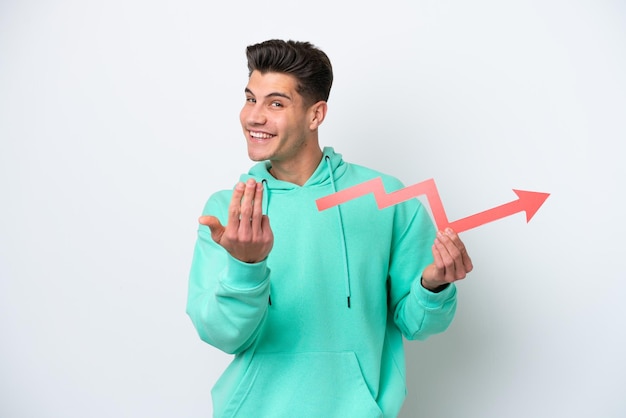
[253,114]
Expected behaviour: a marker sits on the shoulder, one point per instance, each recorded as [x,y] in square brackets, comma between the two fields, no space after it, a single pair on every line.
[217,204]
[358,173]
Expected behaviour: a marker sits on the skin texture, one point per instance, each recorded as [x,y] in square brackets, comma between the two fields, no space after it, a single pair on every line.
[281,127]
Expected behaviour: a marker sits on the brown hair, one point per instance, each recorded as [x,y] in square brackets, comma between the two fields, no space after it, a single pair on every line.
[308,64]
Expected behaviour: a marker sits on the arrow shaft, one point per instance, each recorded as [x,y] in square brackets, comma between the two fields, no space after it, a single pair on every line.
[348,194]
[427,188]
[384,199]
[487,216]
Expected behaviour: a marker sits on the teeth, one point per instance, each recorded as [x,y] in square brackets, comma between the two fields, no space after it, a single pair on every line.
[260,135]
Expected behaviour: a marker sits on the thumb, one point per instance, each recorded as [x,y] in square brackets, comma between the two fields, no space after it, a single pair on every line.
[214,224]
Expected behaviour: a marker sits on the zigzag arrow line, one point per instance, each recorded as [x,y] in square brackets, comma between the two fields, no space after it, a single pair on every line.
[529,202]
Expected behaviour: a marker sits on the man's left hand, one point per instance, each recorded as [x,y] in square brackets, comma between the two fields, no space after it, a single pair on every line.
[451,263]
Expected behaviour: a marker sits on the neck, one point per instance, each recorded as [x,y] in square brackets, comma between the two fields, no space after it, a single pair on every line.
[299,171]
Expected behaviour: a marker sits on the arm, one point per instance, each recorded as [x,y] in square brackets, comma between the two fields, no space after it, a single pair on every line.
[425,264]
[229,279]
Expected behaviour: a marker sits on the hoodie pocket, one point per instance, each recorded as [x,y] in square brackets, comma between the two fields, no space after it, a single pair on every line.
[301,385]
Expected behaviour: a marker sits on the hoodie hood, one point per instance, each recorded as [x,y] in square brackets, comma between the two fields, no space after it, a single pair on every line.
[320,177]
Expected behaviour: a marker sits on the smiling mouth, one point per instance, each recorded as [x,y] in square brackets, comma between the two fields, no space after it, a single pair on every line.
[260,136]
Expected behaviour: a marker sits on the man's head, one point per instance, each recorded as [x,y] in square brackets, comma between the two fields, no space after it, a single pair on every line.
[286,94]
[308,64]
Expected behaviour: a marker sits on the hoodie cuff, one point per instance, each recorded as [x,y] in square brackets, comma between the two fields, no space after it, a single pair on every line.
[433,300]
[245,276]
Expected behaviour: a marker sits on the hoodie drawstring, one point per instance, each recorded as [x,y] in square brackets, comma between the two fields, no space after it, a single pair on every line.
[266,197]
[343,233]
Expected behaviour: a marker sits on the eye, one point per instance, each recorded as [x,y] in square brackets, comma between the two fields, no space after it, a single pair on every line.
[250,100]
[276,104]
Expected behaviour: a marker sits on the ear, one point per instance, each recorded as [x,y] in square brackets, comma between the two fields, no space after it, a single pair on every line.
[318,113]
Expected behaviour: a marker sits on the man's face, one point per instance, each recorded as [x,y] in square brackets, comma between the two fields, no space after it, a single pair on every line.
[274,118]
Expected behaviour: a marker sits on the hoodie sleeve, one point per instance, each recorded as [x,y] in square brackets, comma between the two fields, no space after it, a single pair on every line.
[418,312]
[227,299]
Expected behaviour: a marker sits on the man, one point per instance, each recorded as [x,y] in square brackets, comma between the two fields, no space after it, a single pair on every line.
[314,304]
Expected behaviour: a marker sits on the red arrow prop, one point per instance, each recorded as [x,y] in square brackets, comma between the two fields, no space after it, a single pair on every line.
[529,202]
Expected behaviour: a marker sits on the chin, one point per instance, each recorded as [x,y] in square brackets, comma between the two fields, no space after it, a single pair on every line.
[258,156]
[261,151]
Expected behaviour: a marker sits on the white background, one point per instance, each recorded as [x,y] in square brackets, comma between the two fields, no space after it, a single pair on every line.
[118,119]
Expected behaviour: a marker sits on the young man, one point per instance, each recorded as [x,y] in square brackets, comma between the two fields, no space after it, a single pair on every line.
[314,304]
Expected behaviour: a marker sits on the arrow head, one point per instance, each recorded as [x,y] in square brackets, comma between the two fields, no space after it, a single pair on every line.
[530,201]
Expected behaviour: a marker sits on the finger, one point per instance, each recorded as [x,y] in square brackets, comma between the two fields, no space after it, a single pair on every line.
[265,226]
[438,260]
[458,243]
[234,209]
[206,220]
[447,264]
[246,207]
[266,231]
[257,210]
[455,260]
[214,224]
[467,262]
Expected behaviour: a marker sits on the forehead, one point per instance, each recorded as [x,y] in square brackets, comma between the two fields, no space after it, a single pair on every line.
[265,84]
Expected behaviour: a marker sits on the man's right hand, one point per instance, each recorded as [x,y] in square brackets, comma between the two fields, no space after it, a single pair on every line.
[247,236]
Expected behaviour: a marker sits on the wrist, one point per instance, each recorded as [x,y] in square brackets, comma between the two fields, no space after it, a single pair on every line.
[434,287]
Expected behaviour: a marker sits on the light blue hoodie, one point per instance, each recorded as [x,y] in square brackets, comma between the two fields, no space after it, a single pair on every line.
[317,327]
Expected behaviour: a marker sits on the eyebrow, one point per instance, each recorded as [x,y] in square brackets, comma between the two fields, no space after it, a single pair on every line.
[273,94]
